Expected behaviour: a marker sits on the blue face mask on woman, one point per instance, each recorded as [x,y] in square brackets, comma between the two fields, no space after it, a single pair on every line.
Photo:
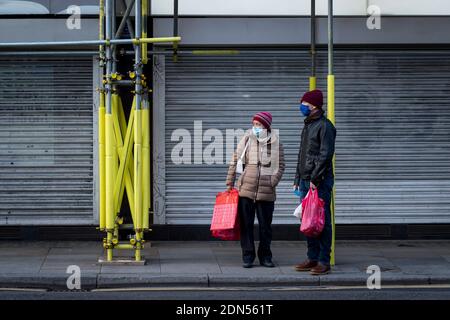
[257,131]
[304,109]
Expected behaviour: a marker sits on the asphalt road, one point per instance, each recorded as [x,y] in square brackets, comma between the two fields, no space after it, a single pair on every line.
[396,293]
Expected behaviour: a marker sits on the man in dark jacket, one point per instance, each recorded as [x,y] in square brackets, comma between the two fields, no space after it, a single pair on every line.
[315,170]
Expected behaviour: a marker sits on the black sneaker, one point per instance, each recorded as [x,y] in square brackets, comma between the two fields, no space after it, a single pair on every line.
[267,263]
[247,264]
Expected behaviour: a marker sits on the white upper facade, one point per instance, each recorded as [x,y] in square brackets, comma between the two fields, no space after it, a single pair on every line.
[242,7]
[300,7]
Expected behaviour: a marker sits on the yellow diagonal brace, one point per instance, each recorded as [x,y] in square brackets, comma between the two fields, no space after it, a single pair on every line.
[118,137]
[119,144]
[115,158]
[123,172]
[128,185]
[123,128]
[122,120]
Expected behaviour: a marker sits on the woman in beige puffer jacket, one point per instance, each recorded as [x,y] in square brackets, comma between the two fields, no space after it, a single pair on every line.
[263,168]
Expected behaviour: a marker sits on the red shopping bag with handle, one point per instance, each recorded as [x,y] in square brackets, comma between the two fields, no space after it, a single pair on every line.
[225,220]
[313,214]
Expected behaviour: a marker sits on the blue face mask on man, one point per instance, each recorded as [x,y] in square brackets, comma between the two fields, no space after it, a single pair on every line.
[304,109]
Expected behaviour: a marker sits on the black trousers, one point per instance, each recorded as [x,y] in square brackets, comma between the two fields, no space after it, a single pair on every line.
[264,213]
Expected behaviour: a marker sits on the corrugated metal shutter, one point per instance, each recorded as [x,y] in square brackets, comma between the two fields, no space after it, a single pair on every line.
[46,141]
[392,115]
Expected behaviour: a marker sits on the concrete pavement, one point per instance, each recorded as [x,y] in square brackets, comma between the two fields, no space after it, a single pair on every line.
[218,264]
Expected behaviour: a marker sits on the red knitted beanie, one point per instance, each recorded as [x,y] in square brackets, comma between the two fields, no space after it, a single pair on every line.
[265,118]
[315,97]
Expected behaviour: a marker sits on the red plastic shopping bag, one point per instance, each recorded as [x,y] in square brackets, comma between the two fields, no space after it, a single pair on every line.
[313,214]
[225,220]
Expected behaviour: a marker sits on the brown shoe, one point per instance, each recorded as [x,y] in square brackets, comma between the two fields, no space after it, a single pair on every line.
[306,265]
[320,269]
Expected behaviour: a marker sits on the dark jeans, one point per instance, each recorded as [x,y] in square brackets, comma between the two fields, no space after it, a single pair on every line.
[264,212]
[319,249]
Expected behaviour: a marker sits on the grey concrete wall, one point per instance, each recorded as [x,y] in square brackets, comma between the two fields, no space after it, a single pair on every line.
[46,29]
[285,31]
[246,31]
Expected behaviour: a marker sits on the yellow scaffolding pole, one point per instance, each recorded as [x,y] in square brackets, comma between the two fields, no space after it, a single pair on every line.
[312,83]
[331,116]
[138,176]
[101,160]
[145,7]
[145,164]
[124,145]
[109,182]
[312,78]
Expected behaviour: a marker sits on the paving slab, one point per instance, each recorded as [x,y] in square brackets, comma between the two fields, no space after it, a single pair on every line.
[219,263]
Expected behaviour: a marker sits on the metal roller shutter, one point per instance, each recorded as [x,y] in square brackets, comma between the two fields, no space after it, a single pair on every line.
[46,141]
[392,115]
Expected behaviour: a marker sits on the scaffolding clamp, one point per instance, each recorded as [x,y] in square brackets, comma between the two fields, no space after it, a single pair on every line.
[100,90]
[116,76]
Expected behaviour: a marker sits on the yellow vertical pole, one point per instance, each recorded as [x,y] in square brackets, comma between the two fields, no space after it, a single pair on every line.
[101,160]
[109,181]
[145,127]
[109,141]
[331,116]
[138,175]
[312,83]
[330,98]
[101,126]
[101,30]
[145,7]
[145,164]
[312,78]
[138,132]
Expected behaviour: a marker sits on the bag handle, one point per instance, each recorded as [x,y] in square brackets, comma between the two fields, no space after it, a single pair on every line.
[245,149]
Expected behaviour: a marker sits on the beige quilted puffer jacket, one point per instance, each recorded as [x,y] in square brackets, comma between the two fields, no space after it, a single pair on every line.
[263,167]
